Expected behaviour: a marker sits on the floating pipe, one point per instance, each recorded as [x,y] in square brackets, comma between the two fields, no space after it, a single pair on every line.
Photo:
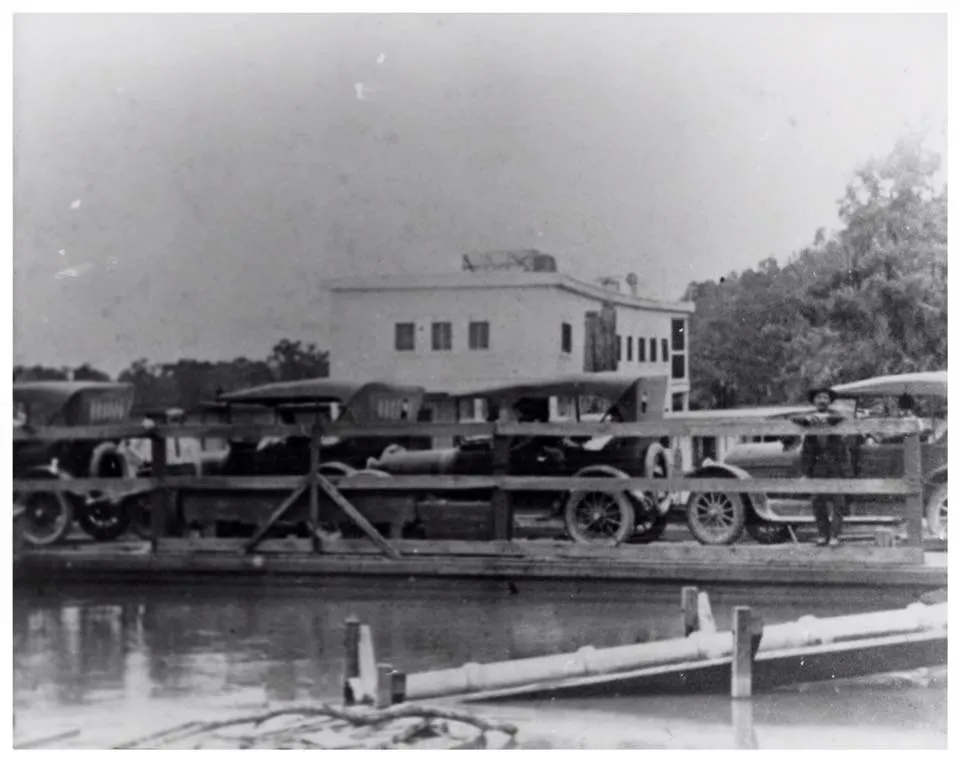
[807,631]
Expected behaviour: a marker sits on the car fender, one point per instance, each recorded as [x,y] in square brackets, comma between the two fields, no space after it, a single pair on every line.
[756,503]
[937,476]
[52,471]
[612,472]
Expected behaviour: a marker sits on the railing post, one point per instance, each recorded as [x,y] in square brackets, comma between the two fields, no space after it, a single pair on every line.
[501,504]
[913,475]
[315,455]
[158,500]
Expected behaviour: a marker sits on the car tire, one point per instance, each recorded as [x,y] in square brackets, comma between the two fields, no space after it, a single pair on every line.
[936,513]
[610,514]
[104,522]
[47,517]
[716,518]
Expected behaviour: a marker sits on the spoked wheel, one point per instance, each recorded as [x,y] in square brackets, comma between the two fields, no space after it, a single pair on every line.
[716,518]
[766,533]
[103,521]
[47,517]
[599,518]
[936,513]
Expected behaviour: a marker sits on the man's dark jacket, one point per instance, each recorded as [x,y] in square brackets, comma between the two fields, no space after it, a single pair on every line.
[825,456]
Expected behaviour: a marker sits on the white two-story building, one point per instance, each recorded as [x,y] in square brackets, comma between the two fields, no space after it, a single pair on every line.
[451,331]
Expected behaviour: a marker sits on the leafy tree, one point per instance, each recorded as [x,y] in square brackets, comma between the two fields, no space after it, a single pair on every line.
[868,300]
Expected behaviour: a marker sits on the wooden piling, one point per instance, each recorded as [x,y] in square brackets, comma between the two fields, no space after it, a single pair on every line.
[705,620]
[744,732]
[741,671]
[383,694]
[351,658]
[688,603]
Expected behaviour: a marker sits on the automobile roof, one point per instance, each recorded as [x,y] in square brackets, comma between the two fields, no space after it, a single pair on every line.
[609,385]
[928,383]
[314,390]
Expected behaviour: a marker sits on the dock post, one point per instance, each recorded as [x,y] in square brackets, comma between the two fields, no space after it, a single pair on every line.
[705,620]
[913,475]
[689,597]
[383,695]
[741,669]
[398,687]
[158,500]
[351,654]
[744,732]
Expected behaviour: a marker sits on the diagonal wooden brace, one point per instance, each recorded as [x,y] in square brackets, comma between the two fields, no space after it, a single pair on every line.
[358,518]
[277,514]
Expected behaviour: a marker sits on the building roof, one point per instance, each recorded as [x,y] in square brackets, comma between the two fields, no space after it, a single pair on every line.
[501,279]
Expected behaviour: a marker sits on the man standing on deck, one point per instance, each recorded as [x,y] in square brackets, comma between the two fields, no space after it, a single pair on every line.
[826,456]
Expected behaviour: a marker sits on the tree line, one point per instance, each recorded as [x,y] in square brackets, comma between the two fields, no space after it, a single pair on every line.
[867,300]
[187,382]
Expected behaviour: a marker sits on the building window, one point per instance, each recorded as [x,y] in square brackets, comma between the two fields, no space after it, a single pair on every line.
[653,350]
[404,337]
[664,350]
[566,338]
[479,335]
[619,348]
[442,337]
[679,334]
[679,369]
[678,402]
[629,348]
[641,349]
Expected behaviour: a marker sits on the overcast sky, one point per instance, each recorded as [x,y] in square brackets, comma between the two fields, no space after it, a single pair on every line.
[184,184]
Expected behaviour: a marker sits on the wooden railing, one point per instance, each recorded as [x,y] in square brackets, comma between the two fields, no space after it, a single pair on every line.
[910,486]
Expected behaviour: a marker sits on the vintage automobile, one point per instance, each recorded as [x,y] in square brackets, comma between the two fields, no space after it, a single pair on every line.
[589,517]
[291,402]
[303,402]
[719,518]
[48,516]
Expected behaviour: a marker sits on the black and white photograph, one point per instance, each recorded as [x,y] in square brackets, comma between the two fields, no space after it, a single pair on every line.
[508,378]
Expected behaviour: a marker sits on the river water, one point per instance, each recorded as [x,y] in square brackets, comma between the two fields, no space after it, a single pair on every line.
[113,660]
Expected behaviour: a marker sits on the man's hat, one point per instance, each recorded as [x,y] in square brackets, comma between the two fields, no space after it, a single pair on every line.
[821,390]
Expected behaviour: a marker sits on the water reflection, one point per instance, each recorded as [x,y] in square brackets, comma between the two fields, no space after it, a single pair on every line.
[84,646]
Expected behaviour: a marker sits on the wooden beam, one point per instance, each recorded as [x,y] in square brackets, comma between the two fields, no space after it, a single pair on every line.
[277,514]
[502,517]
[672,426]
[506,483]
[358,518]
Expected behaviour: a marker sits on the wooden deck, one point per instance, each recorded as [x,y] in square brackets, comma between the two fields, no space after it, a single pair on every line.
[186,560]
